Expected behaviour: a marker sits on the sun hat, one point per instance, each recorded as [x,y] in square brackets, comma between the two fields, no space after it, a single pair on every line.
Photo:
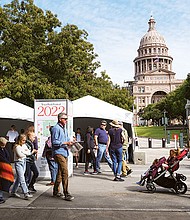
[115,123]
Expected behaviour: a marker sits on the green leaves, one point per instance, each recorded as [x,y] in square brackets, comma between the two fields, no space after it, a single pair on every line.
[39,59]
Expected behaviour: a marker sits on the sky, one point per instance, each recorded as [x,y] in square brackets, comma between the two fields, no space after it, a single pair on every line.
[115,28]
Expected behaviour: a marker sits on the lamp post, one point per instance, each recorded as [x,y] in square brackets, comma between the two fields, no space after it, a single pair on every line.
[165,122]
[187,107]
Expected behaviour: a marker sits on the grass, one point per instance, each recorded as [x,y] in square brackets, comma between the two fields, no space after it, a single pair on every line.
[157,132]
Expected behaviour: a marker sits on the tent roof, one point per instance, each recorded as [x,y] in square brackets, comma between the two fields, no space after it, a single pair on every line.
[15,110]
[89,106]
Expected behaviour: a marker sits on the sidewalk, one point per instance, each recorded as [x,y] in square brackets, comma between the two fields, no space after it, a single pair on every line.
[98,195]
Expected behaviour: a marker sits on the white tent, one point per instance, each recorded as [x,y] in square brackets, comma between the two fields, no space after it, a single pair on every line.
[91,107]
[14,113]
[89,111]
[11,109]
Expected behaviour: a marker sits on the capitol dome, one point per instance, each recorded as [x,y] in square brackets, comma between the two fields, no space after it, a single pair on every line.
[152,36]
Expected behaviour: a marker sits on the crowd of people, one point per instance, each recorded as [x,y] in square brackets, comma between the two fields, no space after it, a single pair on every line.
[112,145]
[97,143]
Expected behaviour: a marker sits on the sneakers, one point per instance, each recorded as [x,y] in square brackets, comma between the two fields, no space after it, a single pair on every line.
[58,195]
[31,189]
[129,172]
[123,175]
[27,196]
[86,173]
[15,195]
[94,173]
[2,201]
[118,179]
[138,183]
[68,197]
[141,182]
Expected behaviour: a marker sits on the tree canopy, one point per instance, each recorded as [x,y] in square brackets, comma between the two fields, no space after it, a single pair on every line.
[40,59]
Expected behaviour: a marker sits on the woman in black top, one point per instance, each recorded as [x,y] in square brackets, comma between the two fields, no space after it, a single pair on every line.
[90,150]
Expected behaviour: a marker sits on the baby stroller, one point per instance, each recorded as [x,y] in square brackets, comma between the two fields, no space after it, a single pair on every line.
[157,175]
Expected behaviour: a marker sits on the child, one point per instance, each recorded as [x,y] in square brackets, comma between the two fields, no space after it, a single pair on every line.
[171,159]
[165,164]
[21,151]
[143,177]
[6,172]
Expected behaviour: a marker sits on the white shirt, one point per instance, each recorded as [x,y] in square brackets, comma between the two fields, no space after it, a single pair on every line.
[20,152]
[78,137]
[12,135]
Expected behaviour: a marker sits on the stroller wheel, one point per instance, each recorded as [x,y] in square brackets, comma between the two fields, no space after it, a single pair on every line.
[184,178]
[180,188]
[151,187]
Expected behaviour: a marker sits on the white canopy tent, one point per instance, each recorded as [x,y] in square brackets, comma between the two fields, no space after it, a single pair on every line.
[89,111]
[12,112]
[89,106]
[15,110]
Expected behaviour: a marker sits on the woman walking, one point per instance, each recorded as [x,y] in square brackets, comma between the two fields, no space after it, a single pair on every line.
[20,153]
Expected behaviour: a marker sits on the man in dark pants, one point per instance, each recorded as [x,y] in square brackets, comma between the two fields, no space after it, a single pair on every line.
[60,143]
[31,173]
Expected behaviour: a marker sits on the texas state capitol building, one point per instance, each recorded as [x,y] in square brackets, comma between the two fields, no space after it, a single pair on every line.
[154,77]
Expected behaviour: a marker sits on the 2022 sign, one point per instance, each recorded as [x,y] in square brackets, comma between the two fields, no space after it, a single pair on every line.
[50,110]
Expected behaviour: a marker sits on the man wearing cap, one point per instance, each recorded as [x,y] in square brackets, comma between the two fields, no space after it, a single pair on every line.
[101,142]
[60,143]
[115,141]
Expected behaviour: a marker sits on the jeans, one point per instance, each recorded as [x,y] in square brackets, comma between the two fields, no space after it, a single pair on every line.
[31,168]
[101,152]
[53,168]
[62,175]
[20,167]
[116,155]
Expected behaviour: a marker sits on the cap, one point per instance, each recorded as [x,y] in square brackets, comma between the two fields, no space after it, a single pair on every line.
[103,122]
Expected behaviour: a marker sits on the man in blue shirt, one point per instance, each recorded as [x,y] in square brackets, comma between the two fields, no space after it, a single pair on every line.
[60,143]
[101,142]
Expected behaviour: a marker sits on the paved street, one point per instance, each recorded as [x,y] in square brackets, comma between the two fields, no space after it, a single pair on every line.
[99,197]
